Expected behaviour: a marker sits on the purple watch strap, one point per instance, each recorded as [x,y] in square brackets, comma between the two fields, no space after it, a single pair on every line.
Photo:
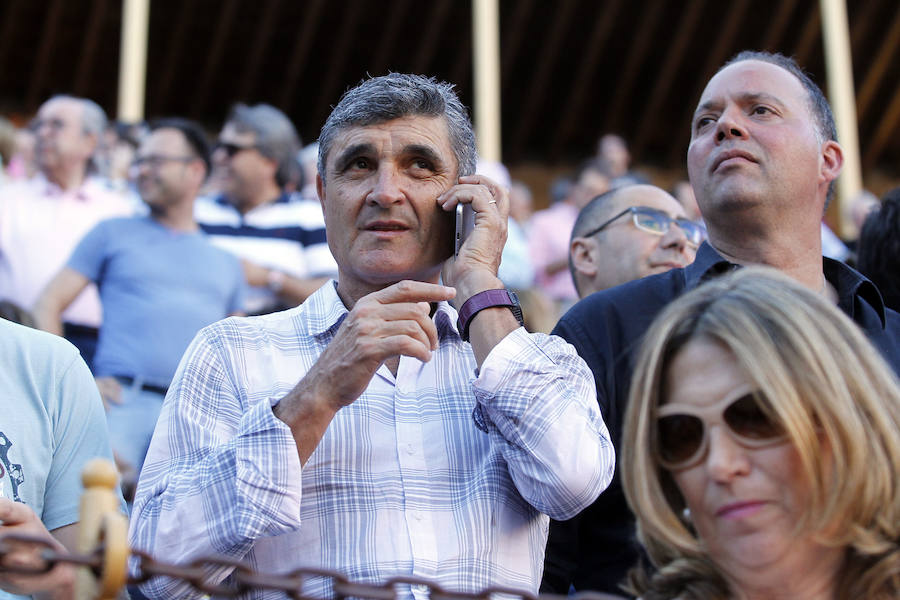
[479,302]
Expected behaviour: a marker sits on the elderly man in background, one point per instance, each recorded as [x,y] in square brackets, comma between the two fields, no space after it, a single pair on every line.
[374,430]
[762,159]
[642,226]
[280,241]
[44,218]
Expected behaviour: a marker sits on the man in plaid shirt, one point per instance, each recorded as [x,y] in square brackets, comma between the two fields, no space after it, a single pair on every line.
[373,430]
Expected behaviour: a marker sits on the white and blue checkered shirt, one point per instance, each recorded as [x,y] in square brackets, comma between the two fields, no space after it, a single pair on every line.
[436,473]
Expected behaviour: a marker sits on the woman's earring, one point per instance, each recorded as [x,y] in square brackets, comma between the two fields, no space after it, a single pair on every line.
[686,515]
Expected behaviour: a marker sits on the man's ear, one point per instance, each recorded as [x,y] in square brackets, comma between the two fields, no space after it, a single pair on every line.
[582,257]
[320,190]
[832,160]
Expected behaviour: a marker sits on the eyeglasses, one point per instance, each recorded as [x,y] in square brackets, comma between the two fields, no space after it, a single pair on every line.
[155,161]
[682,431]
[232,149]
[658,223]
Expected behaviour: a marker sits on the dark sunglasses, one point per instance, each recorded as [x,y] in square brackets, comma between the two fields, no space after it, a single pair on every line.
[658,223]
[232,149]
[682,431]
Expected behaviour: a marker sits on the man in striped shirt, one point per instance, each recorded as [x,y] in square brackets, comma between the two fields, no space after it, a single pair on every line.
[374,430]
[279,238]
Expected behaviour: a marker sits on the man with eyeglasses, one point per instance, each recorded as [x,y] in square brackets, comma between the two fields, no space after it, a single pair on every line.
[160,282]
[279,238]
[762,159]
[43,219]
[642,226]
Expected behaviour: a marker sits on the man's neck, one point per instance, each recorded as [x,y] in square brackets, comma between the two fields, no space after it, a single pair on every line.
[177,217]
[264,195]
[67,179]
[798,256]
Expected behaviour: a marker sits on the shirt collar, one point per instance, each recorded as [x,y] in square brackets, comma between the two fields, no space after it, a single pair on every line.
[849,283]
[324,311]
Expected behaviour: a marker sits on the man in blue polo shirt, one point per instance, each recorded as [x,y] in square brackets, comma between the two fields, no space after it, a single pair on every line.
[160,281]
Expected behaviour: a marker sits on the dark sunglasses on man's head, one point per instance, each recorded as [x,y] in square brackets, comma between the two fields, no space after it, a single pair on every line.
[232,149]
[657,222]
[682,431]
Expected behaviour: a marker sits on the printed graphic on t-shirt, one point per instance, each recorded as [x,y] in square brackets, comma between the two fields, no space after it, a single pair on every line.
[11,476]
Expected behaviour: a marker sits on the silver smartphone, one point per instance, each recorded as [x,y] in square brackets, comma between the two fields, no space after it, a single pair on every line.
[465,223]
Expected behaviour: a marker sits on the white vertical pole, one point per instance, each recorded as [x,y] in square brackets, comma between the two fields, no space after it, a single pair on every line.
[836,35]
[486,24]
[133,59]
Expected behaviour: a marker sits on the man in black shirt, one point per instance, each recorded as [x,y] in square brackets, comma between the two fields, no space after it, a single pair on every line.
[762,159]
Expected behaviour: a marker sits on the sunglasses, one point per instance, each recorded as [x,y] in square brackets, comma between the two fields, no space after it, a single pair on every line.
[232,149]
[658,223]
[682,431]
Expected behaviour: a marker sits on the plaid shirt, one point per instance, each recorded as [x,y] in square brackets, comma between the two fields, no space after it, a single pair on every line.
[436,473]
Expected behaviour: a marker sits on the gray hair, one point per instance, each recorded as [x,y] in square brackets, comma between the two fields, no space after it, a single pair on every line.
[397,95]
[276,137]
[93,122]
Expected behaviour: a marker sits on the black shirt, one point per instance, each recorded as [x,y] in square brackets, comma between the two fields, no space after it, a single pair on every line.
[595,550]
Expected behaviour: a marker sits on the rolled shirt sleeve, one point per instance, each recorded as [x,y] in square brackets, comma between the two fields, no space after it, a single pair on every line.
[538,395]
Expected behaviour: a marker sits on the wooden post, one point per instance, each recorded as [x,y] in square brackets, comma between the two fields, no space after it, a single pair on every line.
[133,59]
[100,520]
[486,26]
[836,35]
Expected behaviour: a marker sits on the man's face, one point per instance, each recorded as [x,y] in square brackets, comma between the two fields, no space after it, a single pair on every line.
[61,141]
[379,198]
[621,252]
[754,144]
[165,169]
[240,169]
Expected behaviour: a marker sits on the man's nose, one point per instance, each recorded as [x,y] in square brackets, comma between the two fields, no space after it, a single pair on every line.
[674,238]
[730,125]
[386,187]
[725,458]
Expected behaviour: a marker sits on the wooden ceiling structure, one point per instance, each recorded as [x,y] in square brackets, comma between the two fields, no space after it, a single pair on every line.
[570,69]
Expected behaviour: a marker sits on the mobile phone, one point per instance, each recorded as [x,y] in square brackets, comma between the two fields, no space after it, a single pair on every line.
[465,223]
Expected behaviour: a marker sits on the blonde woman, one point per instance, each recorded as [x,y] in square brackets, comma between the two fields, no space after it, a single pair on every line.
[762,449]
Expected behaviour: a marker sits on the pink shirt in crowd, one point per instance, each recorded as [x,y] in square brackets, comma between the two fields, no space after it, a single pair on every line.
[40,225]
[548,235]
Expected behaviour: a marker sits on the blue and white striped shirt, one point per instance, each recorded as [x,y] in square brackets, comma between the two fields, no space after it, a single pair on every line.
[436,473]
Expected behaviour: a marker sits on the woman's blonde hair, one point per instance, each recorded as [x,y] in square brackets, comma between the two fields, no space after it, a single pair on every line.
[826,383]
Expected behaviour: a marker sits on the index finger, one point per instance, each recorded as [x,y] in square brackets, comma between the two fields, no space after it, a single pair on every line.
[414,291]
[13,513]
[497,191]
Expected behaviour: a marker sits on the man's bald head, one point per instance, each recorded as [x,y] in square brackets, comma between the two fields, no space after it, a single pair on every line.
[620,252]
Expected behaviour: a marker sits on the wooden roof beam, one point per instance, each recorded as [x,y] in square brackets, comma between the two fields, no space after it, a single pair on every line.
[674,58]
[261,41]
[779,24]
[214,57]
[391,34]
[886,130]
[431,35]
[331,88]
[89,50]
[535,95]
[45,50]
[637,54]
[300,55]
[584,79]
[156,98]
[879,66]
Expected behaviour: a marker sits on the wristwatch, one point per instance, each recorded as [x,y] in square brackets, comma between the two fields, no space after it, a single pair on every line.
[483,300]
